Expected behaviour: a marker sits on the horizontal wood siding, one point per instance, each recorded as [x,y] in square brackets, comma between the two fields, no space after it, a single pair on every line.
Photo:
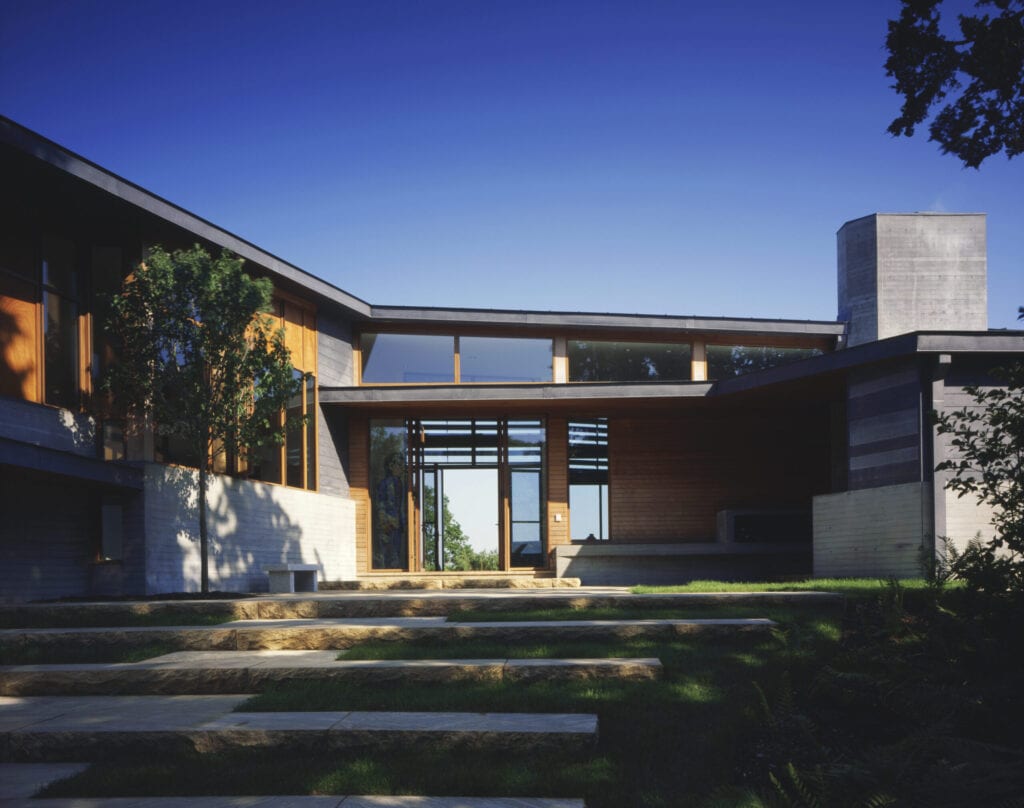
[884,424]
[670,476]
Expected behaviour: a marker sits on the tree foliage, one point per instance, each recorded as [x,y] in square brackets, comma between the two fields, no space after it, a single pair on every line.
[988,447]
[198,360]
[458,553]
[976,81]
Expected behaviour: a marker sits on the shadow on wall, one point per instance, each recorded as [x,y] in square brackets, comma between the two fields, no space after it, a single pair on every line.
[248,524]
[14,370]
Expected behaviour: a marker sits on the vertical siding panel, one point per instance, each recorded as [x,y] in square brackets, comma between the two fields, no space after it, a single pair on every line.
[558,481]
[359,487]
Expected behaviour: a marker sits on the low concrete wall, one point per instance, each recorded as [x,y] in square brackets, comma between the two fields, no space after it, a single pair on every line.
[874,531]
[610,564]
[251,524]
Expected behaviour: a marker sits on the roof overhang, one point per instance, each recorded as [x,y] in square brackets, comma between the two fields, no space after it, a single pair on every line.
[29,142]
[26,456]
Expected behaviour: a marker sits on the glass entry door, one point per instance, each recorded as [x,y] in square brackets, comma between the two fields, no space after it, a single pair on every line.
[470,495]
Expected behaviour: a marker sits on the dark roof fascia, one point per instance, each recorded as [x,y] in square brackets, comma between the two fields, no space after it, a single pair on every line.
[483,393]
[413,316]
[65,464]
[57,156]
[912,344]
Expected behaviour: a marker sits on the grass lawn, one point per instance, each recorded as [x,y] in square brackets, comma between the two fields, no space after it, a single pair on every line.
[659,740]
[905,697]
[51,654]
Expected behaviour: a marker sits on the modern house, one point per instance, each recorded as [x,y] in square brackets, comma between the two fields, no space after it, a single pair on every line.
[610,447]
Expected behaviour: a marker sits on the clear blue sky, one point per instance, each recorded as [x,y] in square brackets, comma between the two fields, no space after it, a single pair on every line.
[640,156]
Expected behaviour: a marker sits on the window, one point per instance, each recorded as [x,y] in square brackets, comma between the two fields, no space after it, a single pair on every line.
[60,321]
[435,359]
[597,361]
[502,359]
[407,359]
[725,361]
[588,479]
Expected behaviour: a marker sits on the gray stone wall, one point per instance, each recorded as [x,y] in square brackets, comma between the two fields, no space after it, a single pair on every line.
[875,531]
[251,524]
[903,272]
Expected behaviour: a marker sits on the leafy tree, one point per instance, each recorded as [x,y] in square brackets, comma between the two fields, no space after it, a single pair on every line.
[988,463]
[976,80]
[198,360]
[459,554]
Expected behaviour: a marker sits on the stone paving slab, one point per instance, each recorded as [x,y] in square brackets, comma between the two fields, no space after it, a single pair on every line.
[91,728]
[214,672]
[22,780]
[293,802]
[344,633]
[336,604]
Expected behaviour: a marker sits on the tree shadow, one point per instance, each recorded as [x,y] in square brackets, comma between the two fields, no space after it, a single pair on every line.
[251,525]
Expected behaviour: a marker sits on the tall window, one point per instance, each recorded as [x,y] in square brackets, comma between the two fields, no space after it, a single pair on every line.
[60,321]
[588,479]
[294,463]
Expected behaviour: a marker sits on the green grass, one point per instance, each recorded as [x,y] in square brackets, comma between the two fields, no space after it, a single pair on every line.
[85,618]
[683,612]
[699,712]
[425,771]
[852,587]
[79,654]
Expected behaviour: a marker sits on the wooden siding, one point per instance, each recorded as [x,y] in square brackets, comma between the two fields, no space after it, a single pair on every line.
[359,487]
[669,476]
[884,423]
[558,481]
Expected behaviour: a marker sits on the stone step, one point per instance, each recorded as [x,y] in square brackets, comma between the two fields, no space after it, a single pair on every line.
[321,634]
[288,801]
[210,672]
[89,728]
[390,604]
[453,580]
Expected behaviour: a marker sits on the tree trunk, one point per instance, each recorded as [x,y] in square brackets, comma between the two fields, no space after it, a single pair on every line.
[204,541]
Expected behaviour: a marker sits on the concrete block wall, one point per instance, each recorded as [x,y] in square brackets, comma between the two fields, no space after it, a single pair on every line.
[251,524]
[960,519]
[903,272]
[49,427]
[873,531]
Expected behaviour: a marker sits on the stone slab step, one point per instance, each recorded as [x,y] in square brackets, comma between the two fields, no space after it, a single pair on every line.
[61,728]
[453,580]
[356,604]
[291,802]
[209,672]
[299,635]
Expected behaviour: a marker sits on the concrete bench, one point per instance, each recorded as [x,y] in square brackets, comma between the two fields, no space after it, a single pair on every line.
[285,578]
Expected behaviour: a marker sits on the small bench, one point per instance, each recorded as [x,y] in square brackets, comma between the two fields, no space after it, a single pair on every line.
[287,578]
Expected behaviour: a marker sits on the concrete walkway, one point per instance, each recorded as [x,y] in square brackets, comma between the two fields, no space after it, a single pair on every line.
[61,728]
